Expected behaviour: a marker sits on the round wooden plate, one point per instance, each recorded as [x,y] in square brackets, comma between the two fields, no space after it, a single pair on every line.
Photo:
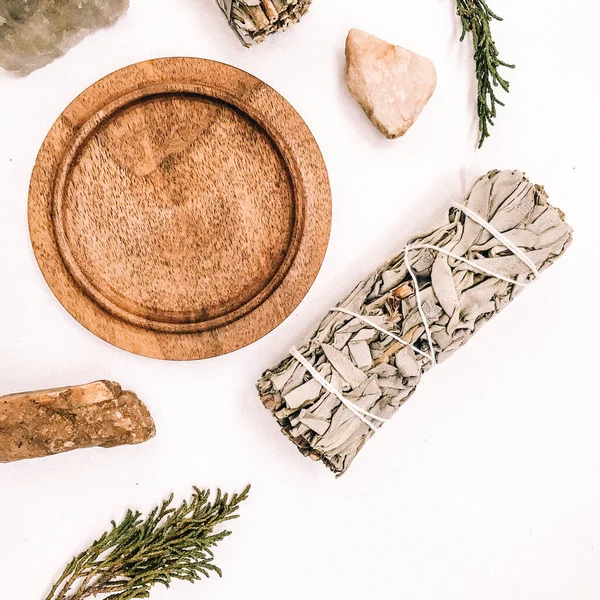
[180,208]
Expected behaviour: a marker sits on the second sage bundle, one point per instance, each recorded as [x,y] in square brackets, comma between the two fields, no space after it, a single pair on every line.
[367,356]
[254,20]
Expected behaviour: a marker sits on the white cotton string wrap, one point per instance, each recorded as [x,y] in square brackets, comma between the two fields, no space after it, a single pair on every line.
[364,415]
[358,412]
[499,236]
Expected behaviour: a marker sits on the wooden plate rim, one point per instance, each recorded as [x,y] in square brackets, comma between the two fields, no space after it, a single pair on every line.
[291,136]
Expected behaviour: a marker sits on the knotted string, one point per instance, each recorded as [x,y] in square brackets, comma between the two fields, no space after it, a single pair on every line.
[358,412]
[364,415]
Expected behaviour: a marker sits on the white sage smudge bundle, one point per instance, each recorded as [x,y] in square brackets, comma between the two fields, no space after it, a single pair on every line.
[367,356]
[254,20]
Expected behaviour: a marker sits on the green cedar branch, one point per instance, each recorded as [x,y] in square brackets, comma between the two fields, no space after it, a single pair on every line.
[171,543]
[476,17]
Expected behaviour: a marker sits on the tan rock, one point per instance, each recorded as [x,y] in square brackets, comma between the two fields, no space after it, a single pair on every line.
[392,84]
[52,421]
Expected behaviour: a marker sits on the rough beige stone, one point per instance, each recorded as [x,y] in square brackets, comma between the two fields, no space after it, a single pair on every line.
[37,424]
[35,32]
[392,84]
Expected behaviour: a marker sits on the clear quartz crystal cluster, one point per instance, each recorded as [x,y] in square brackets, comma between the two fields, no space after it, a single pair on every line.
[35,32]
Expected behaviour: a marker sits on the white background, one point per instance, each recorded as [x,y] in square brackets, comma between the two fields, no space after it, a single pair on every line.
[487,483]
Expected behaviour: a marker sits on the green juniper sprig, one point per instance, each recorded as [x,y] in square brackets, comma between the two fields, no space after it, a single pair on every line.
[171,543]
[476,17]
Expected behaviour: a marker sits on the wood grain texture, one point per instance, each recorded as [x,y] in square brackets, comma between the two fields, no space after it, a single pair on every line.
[180,208]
